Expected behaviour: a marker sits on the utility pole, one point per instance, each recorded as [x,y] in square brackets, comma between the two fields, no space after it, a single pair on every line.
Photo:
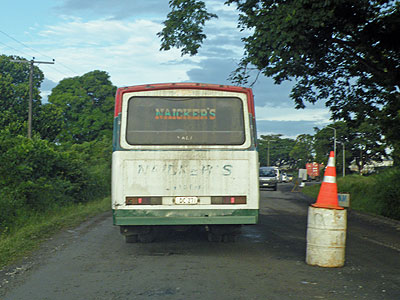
[344,159]
[334,139]
[268,151]
[31,62]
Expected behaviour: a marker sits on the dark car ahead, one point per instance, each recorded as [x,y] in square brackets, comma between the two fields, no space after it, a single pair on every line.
[268,178]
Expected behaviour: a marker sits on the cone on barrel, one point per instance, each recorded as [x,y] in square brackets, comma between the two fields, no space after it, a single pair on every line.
[328,195]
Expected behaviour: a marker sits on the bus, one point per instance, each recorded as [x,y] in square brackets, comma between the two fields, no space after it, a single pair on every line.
[184,154]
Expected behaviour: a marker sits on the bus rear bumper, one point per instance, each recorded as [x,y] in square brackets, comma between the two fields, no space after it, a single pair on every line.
[125,217]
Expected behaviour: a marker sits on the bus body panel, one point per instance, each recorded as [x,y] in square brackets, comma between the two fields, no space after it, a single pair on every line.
[201,172]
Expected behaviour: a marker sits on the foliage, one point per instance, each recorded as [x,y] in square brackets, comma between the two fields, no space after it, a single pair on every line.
[184,26]
[14,93]
[86,104]
[345,52]
[21,240]
[377,194]
[363,144]
[36,175]
[48,122]
[388,192]
[277,149]
[46,181]
[303,150]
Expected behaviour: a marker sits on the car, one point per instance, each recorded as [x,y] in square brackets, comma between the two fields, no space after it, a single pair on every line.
[268,178]
[289,177]
[284,177]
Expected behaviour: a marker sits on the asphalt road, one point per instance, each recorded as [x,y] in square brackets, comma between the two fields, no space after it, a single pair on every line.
[266,262]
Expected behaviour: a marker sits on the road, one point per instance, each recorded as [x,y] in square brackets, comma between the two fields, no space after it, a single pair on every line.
[266,262]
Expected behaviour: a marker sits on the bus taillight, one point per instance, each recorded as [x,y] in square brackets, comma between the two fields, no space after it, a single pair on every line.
[143,201]
[229,200]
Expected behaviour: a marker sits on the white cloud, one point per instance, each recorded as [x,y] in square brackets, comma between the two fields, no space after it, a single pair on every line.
[317,115]
[128,51]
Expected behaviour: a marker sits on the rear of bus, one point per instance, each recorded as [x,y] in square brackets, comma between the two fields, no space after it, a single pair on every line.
[184,154]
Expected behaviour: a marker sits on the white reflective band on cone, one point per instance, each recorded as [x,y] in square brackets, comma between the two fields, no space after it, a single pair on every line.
[331,162]
[330,179]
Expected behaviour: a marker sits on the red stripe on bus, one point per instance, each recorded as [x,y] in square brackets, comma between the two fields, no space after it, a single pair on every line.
[183,85]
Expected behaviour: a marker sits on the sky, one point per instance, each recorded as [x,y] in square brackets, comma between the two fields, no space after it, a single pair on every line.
[120,37]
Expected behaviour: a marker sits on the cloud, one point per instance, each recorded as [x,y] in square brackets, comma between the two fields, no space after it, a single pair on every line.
[212,71]
[117,10]
[272,113]
[290,122]
[289,129]
[127,50]
[217,70]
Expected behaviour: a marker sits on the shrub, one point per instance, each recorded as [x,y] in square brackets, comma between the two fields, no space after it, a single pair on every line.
[36,175]
[388,193]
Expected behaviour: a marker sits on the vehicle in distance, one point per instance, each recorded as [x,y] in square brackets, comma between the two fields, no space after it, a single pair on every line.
[267,178]
[314,171]
[284,177]
[289,177]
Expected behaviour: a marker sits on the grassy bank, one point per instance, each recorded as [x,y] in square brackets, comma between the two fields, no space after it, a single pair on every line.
[26,237]
[377,194]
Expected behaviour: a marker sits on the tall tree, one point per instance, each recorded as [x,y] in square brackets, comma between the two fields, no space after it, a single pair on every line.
[303,150]
[274,150]
[14,93]
[362,144]
[86,103]
[345,52]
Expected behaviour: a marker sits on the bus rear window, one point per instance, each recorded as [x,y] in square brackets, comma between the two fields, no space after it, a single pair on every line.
[185,121]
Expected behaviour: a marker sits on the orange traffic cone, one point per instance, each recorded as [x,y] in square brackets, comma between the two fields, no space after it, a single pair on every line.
[328,195]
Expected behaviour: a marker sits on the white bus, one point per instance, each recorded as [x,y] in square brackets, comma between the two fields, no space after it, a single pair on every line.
[184,154]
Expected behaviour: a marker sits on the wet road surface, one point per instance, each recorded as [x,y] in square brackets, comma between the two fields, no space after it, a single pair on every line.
[266,262]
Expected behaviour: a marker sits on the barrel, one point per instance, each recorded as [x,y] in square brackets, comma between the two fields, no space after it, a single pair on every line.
[326,237]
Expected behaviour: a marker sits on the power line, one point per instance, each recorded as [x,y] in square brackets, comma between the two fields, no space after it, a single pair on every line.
[26,46]
[8,46]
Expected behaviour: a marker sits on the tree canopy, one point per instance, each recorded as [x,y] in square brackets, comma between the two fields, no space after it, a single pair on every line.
[86,104]
[274,151]
[14,93]
[346,53]
[67,160]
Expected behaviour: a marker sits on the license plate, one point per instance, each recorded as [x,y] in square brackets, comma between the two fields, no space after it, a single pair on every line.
[186,200]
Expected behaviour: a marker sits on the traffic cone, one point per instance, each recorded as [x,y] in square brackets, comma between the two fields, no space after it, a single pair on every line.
[328,195]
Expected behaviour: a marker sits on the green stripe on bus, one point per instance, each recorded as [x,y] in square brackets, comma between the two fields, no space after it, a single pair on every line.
[185,217]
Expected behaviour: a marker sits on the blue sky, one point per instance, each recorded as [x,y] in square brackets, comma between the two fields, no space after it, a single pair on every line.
[119,37]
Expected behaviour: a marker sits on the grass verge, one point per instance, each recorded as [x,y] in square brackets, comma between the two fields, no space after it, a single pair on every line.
[376,194]
[24,239]
[360,189]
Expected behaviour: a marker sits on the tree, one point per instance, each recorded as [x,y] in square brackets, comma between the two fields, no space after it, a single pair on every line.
[363,144]
[86,104]
[14,93]
[277,149]
[184,26]
[303,150]
[345,52]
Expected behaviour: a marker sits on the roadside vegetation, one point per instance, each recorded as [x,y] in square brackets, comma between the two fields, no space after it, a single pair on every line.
[23,238]
[61,176]
[376,194]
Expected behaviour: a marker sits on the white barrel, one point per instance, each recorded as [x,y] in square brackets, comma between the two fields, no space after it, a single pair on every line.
[326,237]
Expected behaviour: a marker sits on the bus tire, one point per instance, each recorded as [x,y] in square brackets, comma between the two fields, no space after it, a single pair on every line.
[133,238]
[214,237]
[229,238]
[146,237]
